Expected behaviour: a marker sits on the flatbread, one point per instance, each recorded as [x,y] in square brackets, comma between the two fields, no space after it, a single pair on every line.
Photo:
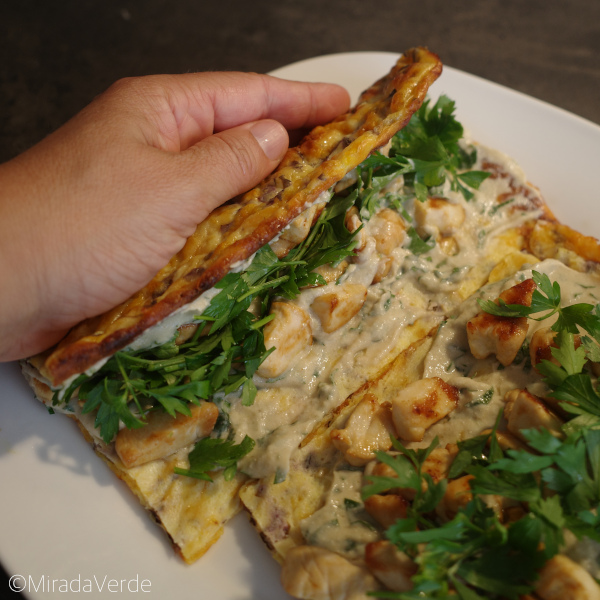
[239,228]
[193,512]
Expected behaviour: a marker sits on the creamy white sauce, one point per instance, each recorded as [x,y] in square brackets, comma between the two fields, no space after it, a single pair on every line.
[451,360]
[341,524]
[419,288]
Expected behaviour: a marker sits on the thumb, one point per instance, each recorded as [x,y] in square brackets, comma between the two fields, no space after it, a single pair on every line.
[233,161]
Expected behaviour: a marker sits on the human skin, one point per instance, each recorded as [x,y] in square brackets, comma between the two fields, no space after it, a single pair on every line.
[90,214]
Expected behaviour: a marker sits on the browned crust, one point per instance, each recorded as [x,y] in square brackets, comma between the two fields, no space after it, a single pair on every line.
[545,238]
[533,199]
[236,230]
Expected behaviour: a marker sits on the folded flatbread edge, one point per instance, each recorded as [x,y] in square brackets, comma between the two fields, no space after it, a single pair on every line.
[234,231]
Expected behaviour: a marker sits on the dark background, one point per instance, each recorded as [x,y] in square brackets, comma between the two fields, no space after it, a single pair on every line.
[56,56]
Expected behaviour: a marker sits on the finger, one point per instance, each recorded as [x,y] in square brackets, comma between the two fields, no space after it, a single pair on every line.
[294,104]
[226,164]
[183,109]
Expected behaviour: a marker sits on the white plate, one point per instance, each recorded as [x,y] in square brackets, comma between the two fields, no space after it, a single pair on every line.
[64,514]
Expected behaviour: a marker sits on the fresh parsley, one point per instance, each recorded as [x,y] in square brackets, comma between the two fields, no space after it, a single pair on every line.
[425,153]
[417,244]
[546,298]
[214,453]
[556,481]
[228,347]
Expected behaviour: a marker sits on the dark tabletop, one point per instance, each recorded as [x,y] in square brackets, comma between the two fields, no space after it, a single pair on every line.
[56,56]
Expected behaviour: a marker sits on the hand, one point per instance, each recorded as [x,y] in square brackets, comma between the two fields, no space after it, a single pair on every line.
[91,214]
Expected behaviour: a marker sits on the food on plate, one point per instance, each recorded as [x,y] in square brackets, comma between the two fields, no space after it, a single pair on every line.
[394,371]
[467,463]
[147,381]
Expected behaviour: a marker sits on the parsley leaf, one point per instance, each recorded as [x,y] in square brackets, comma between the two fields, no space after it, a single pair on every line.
[214,453]
[418,245]
[547,297]
[430,145]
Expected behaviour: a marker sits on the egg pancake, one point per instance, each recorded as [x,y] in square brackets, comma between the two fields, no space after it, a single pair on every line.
[309,322]
[192,510]
[236,230]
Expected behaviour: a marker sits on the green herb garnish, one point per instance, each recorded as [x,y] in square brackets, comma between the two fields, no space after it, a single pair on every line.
[213,453]
[475,555]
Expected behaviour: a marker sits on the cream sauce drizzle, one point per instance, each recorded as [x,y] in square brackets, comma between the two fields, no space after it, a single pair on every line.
[419,288]
[450,359]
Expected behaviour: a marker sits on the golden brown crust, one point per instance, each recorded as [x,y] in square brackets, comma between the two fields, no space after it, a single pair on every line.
[277,509]
[234,231]
[192,512]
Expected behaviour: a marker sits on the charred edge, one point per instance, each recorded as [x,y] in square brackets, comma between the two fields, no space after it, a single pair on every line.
[265,539]
[156,518]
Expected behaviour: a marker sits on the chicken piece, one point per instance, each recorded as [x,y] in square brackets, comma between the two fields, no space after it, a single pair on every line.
[290,332]
[335,309]
[368,429]
[330,273]
[296,231]
[388,230]
[458,494]
[541,344]
[525,411]
[439,461]
[448,245]
[511,513]
[352,219]
[314,573]
[383,268]
[503,336]
[386,509]
[506,441]
[391,566]
[164,435]
[563,579]
[438,217]
[185,333]
[421,404]
[520,293]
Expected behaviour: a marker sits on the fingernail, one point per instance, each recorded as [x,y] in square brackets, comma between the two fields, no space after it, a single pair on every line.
[271,137]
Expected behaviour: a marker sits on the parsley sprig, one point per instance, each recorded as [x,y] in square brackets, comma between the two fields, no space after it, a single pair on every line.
[570,382]
[408,466]
[557,481]
[426,152]
[547,298]
[215,453]
[171,376]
